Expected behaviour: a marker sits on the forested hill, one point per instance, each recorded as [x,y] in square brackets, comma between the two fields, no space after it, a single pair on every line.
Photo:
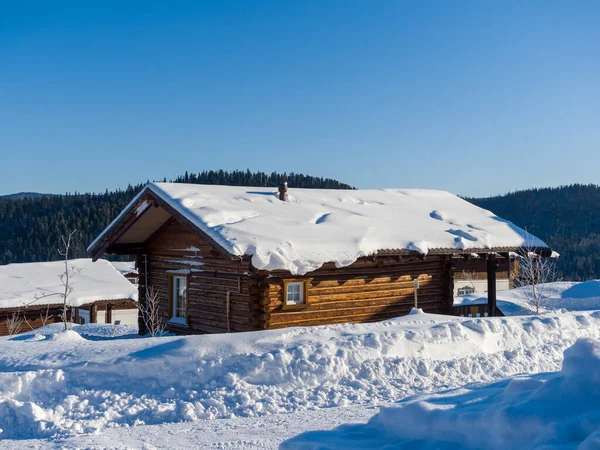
[31,227]
[567,218]
[21,195]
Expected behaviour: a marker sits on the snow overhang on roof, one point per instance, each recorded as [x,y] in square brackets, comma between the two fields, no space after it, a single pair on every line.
[317,226]
[124,267]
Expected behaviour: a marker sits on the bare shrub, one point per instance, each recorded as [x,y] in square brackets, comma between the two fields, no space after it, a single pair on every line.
[534,275]
[14,322]
[150,311]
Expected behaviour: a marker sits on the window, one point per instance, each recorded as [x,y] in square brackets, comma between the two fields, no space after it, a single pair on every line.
[179,299]
[466,290]
[294,294]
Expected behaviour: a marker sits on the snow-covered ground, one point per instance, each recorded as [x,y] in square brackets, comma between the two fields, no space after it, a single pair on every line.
[567,295]
[556,410]
[86,389]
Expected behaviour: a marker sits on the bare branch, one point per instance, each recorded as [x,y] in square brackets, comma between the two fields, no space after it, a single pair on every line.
[14,322]
[534,275]
[150,311]
[41,297]
[469,277]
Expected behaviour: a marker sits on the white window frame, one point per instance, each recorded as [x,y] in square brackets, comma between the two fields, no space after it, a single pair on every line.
[301,293]
[461,290]
[181,320]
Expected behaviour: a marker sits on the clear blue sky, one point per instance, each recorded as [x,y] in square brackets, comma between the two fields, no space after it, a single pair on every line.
[478,97]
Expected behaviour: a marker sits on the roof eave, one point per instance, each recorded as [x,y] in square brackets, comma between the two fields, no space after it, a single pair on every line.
[544,252]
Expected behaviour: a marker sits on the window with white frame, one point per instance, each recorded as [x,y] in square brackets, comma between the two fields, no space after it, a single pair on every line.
[466,290]
[294,294]
[179,299]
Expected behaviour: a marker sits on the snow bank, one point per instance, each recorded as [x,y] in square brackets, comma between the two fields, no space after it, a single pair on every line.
[559,410]
[87,385]
[31,284]
[91,331]
[571,296]
[316,226]
[66,336]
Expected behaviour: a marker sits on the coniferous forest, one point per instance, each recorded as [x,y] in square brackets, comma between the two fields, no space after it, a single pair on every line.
[31,225]
[567,217]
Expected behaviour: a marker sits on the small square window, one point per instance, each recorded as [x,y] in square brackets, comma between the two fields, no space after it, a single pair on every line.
[295,293]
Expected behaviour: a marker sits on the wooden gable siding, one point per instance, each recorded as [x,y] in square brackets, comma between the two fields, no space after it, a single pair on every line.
[211,276]
[362,292]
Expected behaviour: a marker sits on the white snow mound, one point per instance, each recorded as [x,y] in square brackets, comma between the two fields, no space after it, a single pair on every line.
[87,385]
[66,336]
[560,410]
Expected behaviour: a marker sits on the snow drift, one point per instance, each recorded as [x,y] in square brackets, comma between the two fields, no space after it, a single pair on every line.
[559,410]
[83,385]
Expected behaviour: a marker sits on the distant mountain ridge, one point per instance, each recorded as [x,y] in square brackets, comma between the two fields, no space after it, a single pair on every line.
[22,195]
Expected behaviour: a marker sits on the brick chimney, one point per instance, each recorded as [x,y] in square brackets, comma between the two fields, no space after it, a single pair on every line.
[283,191]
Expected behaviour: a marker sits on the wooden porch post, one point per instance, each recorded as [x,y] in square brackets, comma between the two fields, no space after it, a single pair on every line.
[94,313]
[491,286]
[141,263]
[109,311]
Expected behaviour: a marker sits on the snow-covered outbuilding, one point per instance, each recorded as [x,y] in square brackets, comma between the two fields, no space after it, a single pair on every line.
[470,274]
[127,269]
[34,291]
[223,258]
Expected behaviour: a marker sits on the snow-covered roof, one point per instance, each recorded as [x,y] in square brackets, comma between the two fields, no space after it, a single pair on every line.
[25,284]
[316,226]
[124,267]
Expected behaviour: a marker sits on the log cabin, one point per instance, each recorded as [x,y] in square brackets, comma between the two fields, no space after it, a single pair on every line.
[32,292]
[230,259]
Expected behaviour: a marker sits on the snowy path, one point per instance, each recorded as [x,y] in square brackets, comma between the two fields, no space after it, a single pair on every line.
[240,433]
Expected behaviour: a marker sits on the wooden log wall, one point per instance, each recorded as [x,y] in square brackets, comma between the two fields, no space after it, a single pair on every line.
[33,316]
[366,291]
[210,277]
